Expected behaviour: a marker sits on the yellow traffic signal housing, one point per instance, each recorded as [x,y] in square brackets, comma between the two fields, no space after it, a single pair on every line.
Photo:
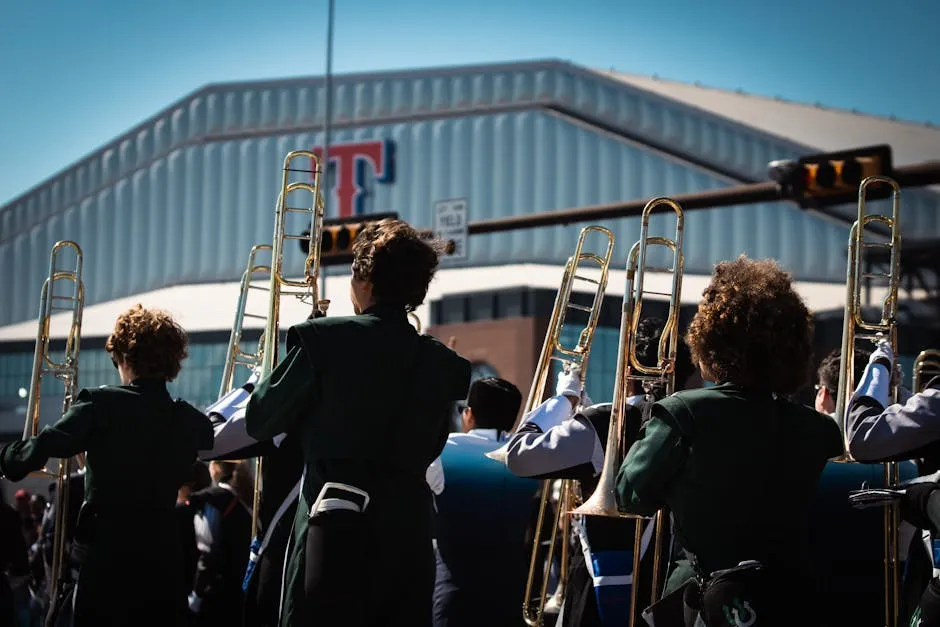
[338,235]
[833,178]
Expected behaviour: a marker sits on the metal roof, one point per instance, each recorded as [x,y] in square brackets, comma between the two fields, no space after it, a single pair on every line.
[813,125]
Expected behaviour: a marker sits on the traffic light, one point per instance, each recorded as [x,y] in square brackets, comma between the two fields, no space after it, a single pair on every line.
[338,236]
[832,178]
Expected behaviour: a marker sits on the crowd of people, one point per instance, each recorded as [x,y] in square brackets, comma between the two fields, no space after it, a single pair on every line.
[373,513]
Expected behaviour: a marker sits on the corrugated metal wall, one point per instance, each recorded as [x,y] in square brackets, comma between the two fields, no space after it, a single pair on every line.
[192,216]
[184,196]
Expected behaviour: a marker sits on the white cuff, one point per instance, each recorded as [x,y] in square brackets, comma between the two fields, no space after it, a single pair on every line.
[550,414]
[876,383]
[278,439]
[229,404]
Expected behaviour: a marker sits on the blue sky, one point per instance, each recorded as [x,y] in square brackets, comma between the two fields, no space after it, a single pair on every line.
[75,74]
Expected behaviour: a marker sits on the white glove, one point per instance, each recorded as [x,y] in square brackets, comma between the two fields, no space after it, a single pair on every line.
[882,351]
[569,383]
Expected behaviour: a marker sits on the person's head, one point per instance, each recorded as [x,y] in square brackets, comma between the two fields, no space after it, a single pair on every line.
[243,482]
[827,378]
[37,505]
[392,265]
[492,403]
[752,329]
[147,344]
[648,334]
[221,472]
[21,502]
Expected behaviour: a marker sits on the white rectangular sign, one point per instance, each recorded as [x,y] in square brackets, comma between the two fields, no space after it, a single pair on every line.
[450,224]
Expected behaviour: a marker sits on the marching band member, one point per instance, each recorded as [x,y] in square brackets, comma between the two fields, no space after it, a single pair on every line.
[714,456]
[141,420]
[880,431]
[371,401]
[482,515]
[551,443]
[222,521]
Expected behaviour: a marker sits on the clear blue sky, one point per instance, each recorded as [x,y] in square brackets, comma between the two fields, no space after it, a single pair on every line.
[74,74]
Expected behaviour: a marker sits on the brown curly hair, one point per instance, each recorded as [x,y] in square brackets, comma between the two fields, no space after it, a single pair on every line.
[752,329]
[397,260]
[150,341]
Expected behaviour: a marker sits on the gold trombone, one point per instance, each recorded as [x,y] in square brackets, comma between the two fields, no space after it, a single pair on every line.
[854,328]
[234,355]
[51,301]
[629,369]
[533,609]
[306,288]
[927,362]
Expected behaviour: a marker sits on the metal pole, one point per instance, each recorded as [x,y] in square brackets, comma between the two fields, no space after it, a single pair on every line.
[327,123]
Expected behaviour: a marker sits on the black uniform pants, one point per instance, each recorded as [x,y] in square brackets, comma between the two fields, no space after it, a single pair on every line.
[360,574]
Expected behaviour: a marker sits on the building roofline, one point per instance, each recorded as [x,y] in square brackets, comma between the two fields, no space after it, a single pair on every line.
[817,106]
[213,87]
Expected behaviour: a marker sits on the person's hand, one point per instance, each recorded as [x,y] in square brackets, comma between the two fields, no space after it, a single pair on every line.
[569,383]
[883,354]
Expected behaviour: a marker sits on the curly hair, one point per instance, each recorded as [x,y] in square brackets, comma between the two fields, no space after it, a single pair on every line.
[752,329]
[150,341]
[397,260]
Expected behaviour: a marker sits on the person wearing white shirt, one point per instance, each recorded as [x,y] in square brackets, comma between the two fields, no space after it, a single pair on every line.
[556,442]
[483,512]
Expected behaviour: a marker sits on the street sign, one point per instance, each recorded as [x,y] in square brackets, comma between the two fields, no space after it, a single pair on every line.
[450,224]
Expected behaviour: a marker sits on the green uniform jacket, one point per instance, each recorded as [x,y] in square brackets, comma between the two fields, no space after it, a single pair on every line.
[140,447]
[371,401]
[738,470]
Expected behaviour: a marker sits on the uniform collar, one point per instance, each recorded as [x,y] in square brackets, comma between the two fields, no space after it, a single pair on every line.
[149,383]
[486,434]
[386,311]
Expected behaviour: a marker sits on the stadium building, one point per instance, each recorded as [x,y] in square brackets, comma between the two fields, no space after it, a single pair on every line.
[167,213]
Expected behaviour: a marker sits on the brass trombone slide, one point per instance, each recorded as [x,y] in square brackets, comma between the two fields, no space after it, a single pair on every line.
[234,355]
[926,363]
[629,369]
[305,288]
[855,328]
[52,301]
[553,350]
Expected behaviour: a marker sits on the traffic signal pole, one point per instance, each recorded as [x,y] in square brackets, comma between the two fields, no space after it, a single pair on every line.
[918,175]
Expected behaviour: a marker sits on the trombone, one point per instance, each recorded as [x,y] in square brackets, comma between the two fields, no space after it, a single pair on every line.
[306,288]
[927,362]
[629,369]
[533,609]
[234,355]
[854,328]
[51,301]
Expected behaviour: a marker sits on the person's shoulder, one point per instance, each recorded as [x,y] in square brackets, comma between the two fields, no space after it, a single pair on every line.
[597,414]
[192,416]
[443,358]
